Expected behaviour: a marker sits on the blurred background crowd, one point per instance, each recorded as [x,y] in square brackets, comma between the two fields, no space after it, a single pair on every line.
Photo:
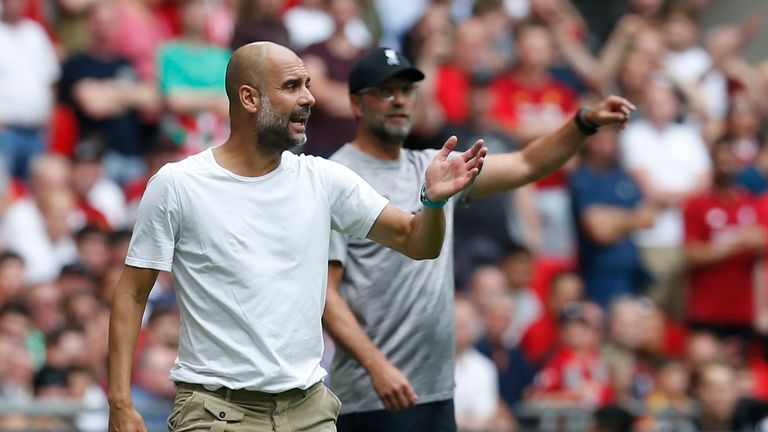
[626,290]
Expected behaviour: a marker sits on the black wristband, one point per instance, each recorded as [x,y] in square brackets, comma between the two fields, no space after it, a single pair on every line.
[585,127]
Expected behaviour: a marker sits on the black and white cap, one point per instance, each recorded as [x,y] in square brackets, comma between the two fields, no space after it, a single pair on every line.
[378,66]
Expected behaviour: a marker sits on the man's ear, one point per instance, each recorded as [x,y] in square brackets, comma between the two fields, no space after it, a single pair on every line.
[354,103]
[250,98]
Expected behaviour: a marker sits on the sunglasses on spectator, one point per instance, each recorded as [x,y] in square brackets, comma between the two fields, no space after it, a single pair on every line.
[388,93]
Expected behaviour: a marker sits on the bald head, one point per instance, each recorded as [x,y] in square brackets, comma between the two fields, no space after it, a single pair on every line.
[249,64]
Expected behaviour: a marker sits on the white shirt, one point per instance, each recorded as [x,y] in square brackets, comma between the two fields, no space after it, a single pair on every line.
[674,158]
[107,197]
[23,231]
[28,69]
[307,26]
[477,386]
[249,257]
[688,66]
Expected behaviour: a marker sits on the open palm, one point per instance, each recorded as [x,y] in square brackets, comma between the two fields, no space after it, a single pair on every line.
[446,177]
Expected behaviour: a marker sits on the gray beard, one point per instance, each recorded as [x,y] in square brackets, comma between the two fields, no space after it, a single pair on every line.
[272,130]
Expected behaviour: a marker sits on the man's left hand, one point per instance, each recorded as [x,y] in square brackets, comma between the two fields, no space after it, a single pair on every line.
[611,110]
[446,177]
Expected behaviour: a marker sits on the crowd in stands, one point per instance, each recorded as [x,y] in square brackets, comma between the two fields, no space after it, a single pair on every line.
[631,283]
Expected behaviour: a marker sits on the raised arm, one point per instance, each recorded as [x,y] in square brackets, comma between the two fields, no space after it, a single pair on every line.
[392,386]
[544,155]
[128,307]
[421,236]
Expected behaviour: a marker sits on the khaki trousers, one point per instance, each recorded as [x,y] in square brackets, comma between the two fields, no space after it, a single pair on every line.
[667,265]
[197,409]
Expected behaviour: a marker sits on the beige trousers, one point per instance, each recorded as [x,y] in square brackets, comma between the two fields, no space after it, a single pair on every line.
[667,265]
[197,409]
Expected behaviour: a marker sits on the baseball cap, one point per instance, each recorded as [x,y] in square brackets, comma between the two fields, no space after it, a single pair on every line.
[379,65]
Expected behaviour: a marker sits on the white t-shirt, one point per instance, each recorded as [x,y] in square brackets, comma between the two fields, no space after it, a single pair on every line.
[23,231]
[249,257]
[477,386]
[674,158]
[28,69]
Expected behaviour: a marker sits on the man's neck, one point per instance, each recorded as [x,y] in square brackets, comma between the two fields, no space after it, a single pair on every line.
[372,146]
[241,157]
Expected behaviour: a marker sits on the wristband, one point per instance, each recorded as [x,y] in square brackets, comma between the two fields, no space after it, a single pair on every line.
[427,203]
[585,127]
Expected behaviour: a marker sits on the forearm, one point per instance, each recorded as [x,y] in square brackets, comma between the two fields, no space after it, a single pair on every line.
[341,324]
[702,254]
[425,239]
[124,326]
[193,102]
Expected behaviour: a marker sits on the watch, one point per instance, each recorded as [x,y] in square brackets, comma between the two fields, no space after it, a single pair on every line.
[427,203]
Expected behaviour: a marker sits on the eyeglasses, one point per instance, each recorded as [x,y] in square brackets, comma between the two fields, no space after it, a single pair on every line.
[388,93]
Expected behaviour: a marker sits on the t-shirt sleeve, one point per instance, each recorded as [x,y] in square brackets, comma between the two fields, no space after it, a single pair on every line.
[337,250]
[157,224]
[354,204]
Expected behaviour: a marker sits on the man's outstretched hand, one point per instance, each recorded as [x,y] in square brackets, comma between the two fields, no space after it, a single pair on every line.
[446,177]
[611,110]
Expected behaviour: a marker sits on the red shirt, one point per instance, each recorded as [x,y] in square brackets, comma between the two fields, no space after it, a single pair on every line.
[515,102]
[721,293]
[540,339]
[566,371]
[452,86]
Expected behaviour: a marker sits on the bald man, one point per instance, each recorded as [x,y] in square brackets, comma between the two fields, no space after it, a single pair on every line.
[245,227]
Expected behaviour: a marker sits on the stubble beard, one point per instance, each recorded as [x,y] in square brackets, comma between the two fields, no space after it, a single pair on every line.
[273,129]
[387,134]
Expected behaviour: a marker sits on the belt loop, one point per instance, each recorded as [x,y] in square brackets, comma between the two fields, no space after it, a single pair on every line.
[228,396]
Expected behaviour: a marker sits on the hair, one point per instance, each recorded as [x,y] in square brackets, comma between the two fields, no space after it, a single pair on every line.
[612,418]
[10,256]
[16,308]
[513,250]
[89,231]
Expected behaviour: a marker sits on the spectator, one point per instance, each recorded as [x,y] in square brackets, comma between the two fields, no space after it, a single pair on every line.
[473,55]
[329,63]
[484,227]
[44,302]
[486,281]
[108,97]
[75,279]
[685,60]
[16,372]
[611,418]
[309,22]
[98,197]
[26,95]
[631,373]
[722,242]
[521,108]
[670,401]
[12,278]
[608,207]
[515,373]
[476,398]
[191,80]
[541,339]
[93,250]
[517,265]
[259,20]
[743,128]
[669,162]
[16,321]
[575,374]
[153,392]
[721,408]
[139,33]
[65,348]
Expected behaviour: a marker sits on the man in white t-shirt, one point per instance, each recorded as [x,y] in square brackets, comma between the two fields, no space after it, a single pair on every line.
[28,70]
[245,227]
[670,162]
